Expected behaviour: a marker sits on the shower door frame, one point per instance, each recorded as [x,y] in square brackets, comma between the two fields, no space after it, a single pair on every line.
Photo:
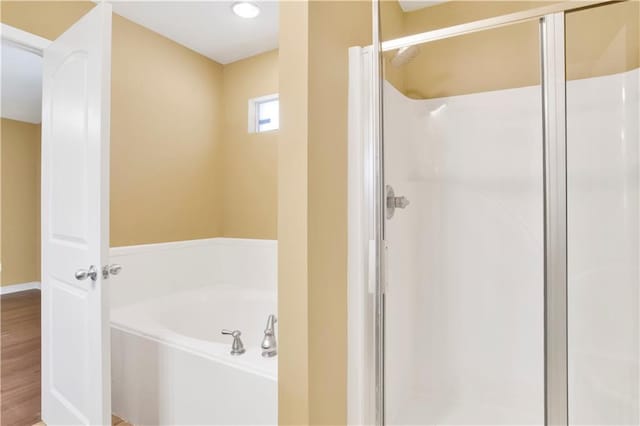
[553,81]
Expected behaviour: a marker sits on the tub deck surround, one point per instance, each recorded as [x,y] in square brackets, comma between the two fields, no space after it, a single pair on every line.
[192,321]
[155,270]
[170,363]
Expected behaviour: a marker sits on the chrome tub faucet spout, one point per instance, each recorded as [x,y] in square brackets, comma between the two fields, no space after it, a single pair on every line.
[269,345]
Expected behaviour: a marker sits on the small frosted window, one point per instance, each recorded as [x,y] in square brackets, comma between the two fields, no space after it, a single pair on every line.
[264,114]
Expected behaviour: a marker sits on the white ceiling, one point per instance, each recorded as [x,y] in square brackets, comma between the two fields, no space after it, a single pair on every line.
[21,84]
[208,27]
[411,5]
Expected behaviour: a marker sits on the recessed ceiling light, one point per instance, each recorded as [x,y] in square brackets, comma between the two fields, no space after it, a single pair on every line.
[245,9]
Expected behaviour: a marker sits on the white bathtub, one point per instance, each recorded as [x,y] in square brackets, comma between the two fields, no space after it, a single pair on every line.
[170,365]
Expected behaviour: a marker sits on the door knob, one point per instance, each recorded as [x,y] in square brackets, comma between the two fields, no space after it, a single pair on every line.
[83,274]
[113,269]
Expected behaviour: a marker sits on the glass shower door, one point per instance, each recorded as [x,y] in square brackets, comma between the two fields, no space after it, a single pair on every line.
[603,151]
[464,299]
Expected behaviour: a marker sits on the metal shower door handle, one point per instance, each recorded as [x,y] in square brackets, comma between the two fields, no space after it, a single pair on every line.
[83,274]
[393,202]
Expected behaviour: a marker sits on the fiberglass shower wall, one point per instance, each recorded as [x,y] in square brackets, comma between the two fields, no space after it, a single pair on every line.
[464,302]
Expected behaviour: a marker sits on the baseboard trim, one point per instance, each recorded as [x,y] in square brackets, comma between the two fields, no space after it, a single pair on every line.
[15,288]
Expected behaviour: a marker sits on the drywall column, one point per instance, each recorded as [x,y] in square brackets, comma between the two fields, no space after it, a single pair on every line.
[312,207]
[293,358]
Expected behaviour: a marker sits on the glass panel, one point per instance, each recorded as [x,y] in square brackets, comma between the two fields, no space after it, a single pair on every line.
[464,324]
[603,214]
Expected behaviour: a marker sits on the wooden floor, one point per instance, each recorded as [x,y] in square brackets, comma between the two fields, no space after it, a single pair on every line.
[115,421]
[20,358]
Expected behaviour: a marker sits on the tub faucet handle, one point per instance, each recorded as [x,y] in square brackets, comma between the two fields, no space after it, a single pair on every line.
[237,348]
[269,345]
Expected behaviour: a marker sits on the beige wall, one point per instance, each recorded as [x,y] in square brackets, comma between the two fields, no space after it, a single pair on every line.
[250,160]
[166,139]
[20,215]
[312,215]
[47,19]
[183,165]
[0,202]
[507,57]
[166,127]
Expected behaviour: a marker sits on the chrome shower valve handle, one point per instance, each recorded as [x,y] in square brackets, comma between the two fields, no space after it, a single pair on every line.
[237,348]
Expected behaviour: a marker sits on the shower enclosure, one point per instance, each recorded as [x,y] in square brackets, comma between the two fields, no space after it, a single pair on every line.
[494,215]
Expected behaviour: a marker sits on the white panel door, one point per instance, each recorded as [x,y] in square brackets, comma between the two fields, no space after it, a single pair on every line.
[75,223]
